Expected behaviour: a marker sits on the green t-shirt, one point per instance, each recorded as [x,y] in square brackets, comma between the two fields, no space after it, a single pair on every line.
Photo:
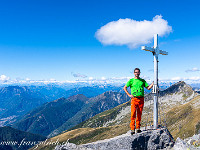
[137,86]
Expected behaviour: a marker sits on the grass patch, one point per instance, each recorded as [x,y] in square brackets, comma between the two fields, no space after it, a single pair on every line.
[88,137]
[99,119]
[183,121]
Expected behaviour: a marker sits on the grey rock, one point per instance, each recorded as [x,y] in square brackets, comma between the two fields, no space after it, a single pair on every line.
[182,145]
[187,143]
[147,140]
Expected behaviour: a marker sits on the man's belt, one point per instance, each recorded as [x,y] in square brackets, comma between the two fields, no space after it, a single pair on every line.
[138,96]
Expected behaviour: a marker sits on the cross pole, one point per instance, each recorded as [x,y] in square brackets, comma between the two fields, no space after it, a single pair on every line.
[156,51]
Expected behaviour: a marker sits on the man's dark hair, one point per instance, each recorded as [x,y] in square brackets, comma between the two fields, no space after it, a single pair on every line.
[136,69]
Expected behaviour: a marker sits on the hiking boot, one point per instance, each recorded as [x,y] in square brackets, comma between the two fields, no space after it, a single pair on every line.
[138,131]
[132,132]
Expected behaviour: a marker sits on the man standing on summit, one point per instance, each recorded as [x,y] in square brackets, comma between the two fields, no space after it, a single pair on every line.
[137,85]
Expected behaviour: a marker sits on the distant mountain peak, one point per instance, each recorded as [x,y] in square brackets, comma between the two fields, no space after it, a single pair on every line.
[60,99]
[15,89]
[109,92]
[180,83]
[180,86]
[78,97]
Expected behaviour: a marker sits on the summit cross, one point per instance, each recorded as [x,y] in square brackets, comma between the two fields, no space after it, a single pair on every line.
[156,51]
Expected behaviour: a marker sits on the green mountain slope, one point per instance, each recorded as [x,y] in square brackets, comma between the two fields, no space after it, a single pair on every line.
[184,120]
[50,116]
[62,114]
[95,105]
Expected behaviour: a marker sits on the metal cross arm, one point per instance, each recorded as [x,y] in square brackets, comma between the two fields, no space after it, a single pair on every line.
[163,52]
[146,48]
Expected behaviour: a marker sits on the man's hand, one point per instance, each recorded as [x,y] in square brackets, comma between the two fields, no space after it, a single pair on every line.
[125,89]
[131,96]
[149,87]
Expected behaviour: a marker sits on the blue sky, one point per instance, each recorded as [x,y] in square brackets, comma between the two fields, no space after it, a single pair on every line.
[46,39]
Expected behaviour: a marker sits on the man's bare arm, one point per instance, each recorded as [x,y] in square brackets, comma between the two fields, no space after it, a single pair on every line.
[125,89]
[149,87]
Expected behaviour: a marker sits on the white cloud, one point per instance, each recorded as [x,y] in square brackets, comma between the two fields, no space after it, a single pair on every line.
[192,70]
[4,78]
[121,78]
[79,75]
[103,78]
[131,32]
[194,79]
[52,79]
[176,79]
[27,79]
[91,78]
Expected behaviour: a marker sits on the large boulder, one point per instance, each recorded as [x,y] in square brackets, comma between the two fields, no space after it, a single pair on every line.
[149,139]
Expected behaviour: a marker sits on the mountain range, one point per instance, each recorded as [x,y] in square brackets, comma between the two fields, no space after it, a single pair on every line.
[15,101]
[54,117]
[179,109]
[82,119]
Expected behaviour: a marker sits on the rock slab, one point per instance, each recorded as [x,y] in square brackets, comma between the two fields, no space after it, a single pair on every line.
[147,140]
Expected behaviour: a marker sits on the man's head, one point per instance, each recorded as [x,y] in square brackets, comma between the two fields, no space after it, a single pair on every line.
[137,72]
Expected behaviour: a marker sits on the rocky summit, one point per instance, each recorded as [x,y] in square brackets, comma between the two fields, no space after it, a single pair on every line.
[149,140]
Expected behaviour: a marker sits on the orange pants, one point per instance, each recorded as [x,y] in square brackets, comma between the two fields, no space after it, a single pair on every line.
[136,105]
